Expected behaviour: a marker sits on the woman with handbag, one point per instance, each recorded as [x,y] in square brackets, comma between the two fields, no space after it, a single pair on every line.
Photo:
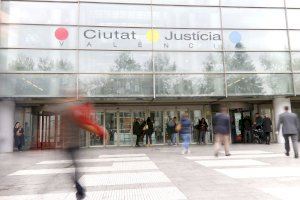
[19,136]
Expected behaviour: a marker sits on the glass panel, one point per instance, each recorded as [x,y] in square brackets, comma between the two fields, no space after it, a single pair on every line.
[296,61]
[157,119]
[37,85]
[168,117]
[292,3]
[114,61]
[188,2]
[293,16]
[115,38]
[253,18]
[115,15]
[255,40]
[187,40]
[111,126]
[259,84]
[116,85]
[188,62]
[12,60]
[189,85]
[94,139]
[295,40]
[38,13]
[186,17]
[208,117]
[125,128]
[26,36]
[254,3]
[297,83]
[257,62]
[195,117]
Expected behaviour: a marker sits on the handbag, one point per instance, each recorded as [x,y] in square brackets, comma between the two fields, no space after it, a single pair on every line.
[145,128]
[178,128]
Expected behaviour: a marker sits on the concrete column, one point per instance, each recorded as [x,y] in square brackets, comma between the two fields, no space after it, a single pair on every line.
[278,105]
[7,112]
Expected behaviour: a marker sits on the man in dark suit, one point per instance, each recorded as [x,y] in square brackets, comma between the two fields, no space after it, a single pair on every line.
[290,128]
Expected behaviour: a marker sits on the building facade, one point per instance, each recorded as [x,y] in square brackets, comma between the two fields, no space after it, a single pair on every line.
[140,58]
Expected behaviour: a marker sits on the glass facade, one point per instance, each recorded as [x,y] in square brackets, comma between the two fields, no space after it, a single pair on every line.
[155,49]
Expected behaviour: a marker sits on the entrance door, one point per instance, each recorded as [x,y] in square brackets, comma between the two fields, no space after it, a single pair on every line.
[240,126]
[48,131]
[94,139]
[125,133]
[158,125]
[111,126]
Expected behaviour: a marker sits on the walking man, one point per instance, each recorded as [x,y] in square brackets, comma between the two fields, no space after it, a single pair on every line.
[222,130]
[185,130]
[267,128]
[290,128]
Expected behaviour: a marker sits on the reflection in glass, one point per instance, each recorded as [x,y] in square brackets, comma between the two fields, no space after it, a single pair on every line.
[297,83]
[26,36]
[189,85]
[253,18]
[257,62]
[259,84]
[116,85]
[295,40]
[296,61]
[254,3]
[38,13]
[114,61]
[37,85]
[115,15]
[37,60]
[256,40]
[188,62]
[186,17]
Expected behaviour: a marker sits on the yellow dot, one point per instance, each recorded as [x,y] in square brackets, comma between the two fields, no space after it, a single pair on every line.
[152,35]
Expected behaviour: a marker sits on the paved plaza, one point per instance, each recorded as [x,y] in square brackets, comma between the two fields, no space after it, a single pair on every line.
[155,173]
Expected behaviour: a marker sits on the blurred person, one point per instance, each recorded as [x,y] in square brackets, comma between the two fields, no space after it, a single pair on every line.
[149,130]
[75,116]
[290,128]
[19,136]
[267,128]
[137,131]
[247,124]
[185,130]
[221,126]
[202,128]
[258,119]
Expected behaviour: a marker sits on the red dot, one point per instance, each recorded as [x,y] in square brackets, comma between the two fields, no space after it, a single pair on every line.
[61,33]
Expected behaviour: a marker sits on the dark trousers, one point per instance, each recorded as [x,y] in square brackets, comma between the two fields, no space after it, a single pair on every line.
[294,141]
[72,152]
[149,136]
[268,138]
[202,137]
[138,138]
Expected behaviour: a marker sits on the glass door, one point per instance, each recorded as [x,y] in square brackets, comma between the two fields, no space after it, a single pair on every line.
[47,130]
[125,128]
[169,115]
[111,126]
[94,139]
[195,116]
[158,125]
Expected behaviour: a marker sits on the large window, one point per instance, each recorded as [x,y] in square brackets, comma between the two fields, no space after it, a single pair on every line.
[21,60]
[22,36]
[259,84]
[293,3]
[255,40]
[38,13]
[256,18]
[295,40]
[115,15]
[114,61]
[297,83]
[116,85]
[188,2]
[37,85]
[188,62]
[189,85]
[257,62]
[186,17]
[296,61]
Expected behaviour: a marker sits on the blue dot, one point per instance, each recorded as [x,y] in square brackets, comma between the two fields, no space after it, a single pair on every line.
[235,37]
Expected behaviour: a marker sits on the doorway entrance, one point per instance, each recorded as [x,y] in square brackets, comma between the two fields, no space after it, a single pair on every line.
[241,125]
